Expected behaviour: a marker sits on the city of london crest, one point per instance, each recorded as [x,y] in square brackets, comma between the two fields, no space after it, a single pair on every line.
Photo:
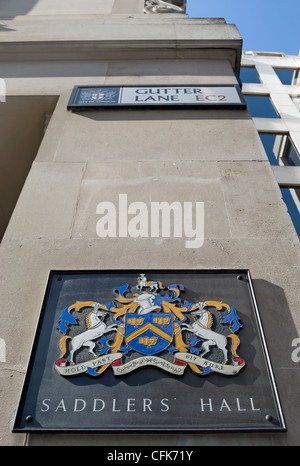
[149,324]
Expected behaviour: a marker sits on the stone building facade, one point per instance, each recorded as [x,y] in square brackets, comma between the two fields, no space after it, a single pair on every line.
[58,165]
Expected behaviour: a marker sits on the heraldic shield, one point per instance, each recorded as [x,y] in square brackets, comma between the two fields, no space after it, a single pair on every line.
[149,334]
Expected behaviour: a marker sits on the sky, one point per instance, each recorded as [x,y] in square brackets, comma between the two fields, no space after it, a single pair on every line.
[265,25]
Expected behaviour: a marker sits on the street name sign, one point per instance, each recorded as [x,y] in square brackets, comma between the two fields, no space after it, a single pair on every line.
[101,97]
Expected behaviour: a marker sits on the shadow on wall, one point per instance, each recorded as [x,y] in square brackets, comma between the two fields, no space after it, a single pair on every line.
[22,126]
[11,8]
[277,320]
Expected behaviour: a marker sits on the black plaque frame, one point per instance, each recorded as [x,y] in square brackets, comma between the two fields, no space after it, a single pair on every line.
[74,104]
[255,379]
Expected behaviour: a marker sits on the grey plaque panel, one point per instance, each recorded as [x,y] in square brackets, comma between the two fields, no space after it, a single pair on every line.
[149,351]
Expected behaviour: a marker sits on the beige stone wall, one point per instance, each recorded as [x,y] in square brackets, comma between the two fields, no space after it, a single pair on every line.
[207,156]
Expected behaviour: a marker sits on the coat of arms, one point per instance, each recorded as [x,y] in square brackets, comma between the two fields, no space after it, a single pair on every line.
[149,324]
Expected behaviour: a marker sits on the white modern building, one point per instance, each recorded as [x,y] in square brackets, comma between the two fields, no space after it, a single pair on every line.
[272,80]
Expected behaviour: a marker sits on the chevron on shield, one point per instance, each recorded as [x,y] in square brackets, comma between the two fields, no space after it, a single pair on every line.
[149,334]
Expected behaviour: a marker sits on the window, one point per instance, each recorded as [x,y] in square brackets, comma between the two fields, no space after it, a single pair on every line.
[290,155]
[287,76]
[291,197]
[270,54]
[260,106]
[280,151]
[268,141]
[249,75]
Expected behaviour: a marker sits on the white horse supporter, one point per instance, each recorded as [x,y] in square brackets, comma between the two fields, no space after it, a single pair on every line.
[96,328]
[201,328]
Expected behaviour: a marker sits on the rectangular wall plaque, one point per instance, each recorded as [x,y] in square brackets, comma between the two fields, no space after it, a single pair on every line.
[97,97]
[149,351]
